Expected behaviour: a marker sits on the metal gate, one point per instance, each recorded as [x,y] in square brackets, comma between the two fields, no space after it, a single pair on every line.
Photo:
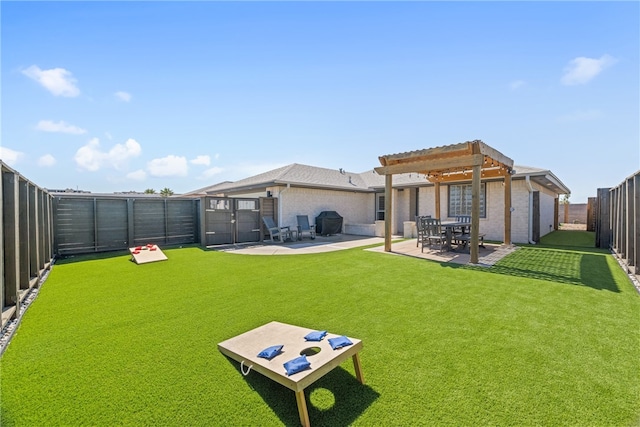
[229,221]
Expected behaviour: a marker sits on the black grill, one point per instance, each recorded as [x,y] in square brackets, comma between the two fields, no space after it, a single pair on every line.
[328,222]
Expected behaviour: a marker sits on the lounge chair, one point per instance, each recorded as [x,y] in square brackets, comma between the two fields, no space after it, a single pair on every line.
[281,233]
[304,227]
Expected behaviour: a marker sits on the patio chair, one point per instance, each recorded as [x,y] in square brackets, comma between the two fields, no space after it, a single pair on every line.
[304,227]
[281,233]
[463,229]
[434,233]
[421,228]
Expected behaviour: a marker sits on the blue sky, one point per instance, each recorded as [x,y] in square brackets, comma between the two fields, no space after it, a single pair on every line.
[125,96]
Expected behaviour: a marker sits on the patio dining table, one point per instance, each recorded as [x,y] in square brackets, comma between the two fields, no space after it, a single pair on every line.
[450,226]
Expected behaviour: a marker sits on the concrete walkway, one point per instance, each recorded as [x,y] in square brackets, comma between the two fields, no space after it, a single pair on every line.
[306,246]
[487,256]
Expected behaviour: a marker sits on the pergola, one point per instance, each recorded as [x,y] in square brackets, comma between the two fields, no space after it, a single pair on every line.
[451,163]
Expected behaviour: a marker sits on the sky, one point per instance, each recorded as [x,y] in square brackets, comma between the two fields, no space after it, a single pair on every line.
[129,96]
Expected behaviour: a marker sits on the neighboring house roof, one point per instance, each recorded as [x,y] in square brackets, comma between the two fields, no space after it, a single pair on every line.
[298,175]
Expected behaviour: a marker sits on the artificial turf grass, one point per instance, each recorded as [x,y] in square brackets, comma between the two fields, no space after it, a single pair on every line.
[569,238]
[108,342]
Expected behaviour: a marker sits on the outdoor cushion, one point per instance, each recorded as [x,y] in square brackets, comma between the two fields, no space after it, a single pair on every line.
[296,365]
[270,352]
[315,336]
[339,342]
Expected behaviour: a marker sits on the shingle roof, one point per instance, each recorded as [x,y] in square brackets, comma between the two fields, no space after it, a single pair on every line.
[300,175]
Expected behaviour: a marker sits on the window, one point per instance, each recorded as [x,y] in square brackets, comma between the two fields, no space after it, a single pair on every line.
[460,200]
[379,207]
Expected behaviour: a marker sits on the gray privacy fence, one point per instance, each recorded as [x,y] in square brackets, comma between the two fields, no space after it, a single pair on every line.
[99,223]
[26,229]
[618,221]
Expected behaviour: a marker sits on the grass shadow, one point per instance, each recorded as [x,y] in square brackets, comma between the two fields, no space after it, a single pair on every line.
[336,399]
[70,259]
[571,265]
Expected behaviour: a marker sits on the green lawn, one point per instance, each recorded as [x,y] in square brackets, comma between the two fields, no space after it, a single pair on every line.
[549,336]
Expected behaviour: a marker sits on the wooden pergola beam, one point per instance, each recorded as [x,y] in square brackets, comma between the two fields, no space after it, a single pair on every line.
[463,175]
[467,160]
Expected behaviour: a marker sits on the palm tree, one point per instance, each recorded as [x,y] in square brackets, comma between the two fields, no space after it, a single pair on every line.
[149,191]
[166,192]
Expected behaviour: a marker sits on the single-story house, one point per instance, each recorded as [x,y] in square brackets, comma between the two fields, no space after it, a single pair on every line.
[359,199]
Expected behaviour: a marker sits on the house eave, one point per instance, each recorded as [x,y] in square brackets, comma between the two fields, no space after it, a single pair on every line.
[277,183]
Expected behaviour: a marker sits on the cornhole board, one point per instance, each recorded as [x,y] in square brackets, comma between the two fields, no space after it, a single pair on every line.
[147,253]
[245,347]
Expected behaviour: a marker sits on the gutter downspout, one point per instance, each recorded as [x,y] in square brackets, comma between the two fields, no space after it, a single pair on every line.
[530,212]
[280,204]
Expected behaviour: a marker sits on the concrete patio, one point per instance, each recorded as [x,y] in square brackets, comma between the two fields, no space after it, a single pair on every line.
[487,256]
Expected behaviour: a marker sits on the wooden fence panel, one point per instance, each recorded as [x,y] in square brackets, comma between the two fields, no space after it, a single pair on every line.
[88,223]
[26,249]
[111,224]
[620,229]
[74,225]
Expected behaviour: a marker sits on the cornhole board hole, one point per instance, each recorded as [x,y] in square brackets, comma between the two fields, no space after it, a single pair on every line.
[245,347]
[147,253]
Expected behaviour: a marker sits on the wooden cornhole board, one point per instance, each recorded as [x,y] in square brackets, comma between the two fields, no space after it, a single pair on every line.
[245,347]
[147,253]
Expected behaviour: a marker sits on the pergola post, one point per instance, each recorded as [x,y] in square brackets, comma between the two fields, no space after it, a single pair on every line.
[507,208]
[387,211]
[475,213]
[437,190]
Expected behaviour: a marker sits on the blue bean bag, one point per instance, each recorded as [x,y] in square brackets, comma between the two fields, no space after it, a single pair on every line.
[296,365]
[270,352]
[315,335]
[339,342]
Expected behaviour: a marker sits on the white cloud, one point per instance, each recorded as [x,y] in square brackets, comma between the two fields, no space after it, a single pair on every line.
[138,175]
[168,166]
[61,126]
[581,70]
[201,160]
[581,116]
[47,160]
[212,172]
[58,81]
[123,96]
[516,84]
[91,158]
[9,156]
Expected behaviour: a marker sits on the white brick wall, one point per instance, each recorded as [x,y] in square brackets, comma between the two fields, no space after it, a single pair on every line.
[427,201]
[402,203]
[493,225]
[520,216]
[353,207]
[546,210]
[359,208]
